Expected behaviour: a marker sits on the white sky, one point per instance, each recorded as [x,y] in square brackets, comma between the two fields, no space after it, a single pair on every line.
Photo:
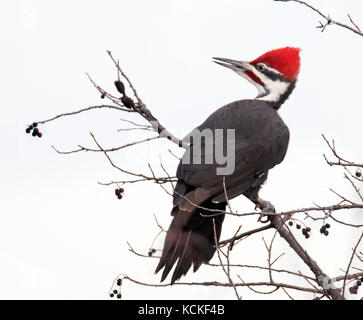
[63,236]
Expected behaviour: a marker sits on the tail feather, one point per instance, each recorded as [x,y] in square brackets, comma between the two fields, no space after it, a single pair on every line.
[184,262]
[170,258]
[190,240]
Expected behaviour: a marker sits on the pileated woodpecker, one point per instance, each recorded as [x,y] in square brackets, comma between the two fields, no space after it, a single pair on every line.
[260,142]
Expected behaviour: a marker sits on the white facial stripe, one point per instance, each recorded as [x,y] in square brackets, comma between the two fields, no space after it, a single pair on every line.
[273,89]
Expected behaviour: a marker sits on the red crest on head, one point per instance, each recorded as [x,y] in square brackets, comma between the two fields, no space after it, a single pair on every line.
[285,60]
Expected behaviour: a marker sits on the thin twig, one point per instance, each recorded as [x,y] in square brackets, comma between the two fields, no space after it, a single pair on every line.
[85,149]
[145,112]
[329,20]
[244,234]
[227,272]
[221,284]
[321,277]
[341,160]
[102,106]
[354,186]
[350,263]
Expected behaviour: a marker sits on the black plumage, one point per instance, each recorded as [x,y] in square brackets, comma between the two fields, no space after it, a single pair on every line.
[261,141]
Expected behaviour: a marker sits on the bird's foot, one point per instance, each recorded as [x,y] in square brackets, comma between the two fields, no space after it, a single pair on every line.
[264,206]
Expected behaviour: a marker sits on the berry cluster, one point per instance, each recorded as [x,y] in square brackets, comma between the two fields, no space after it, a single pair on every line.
[119,193]
[33,128]
[116,292]
[354,289]
[151,252]
[127,101]
[305,231]
[323,229]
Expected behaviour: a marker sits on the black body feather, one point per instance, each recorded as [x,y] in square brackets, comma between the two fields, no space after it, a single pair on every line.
[261,141]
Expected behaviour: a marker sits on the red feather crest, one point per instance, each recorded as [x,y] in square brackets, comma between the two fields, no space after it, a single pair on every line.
[285,60]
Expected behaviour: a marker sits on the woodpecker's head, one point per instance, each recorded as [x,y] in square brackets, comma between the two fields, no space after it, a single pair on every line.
[274,73]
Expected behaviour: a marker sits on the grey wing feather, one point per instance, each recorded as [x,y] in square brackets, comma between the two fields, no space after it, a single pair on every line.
[261,143]
[261,140]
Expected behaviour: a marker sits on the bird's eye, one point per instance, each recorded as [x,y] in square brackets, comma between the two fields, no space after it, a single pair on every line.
[261,67]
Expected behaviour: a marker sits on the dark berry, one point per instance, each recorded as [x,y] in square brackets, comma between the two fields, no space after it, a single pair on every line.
[119,282]
[298,226]
[103,96]
[307,236]
[327,225]
[112,295]
[303,231]
[34,124]
[119,296]
[326,232]
[353,290]
[128,102]
[322,229]
[358,283]
[358,174]
[118,192]
[290,223]
[115,291]
[120,86]
[36,132]
[308,229]
[27,130]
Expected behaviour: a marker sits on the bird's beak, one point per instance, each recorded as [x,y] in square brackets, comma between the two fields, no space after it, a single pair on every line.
[235,65]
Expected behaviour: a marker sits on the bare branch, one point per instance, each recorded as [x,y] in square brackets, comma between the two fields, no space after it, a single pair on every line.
[81,148]
[117,167]
[159,180]
[221,284]
[341,161]
[244,234]
[353,23]
[328,19]
[321,277]
[102,106]
[350,262]
[226,271]
[146,113]
[357,190]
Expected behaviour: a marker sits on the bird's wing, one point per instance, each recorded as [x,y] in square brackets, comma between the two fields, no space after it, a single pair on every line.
[261,140]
